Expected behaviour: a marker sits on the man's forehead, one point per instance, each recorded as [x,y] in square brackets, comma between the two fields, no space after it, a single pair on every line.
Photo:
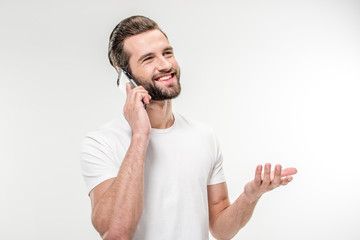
[145,42]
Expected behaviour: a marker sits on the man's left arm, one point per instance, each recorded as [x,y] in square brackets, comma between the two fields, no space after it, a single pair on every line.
[227,219]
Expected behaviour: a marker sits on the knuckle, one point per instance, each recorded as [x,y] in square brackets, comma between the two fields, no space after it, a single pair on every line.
[141,88]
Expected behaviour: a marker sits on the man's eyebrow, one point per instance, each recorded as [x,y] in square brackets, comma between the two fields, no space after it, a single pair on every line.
[169,48]
[150,53]
[144,56]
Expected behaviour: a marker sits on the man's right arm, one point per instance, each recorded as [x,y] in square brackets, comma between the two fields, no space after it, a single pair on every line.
[117,202]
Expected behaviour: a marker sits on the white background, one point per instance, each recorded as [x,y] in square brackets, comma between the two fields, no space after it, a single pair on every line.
[278,80]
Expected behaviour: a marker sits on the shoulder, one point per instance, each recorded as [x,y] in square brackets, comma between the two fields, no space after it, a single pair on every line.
[113,132]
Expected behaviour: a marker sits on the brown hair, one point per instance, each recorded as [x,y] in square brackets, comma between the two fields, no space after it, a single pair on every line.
[128,27]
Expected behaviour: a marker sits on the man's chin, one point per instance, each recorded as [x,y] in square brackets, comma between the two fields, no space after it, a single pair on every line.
[164,96]
[160,92]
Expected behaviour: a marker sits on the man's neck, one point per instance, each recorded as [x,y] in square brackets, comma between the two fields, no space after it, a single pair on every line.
[160,114]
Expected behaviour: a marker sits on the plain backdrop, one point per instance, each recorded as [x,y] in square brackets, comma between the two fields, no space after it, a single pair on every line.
[279,81]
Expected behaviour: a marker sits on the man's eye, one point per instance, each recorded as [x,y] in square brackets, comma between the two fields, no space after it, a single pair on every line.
[147,59]
[168,53]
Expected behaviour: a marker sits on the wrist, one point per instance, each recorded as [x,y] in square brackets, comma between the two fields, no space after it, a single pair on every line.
[249,198]
[141,137]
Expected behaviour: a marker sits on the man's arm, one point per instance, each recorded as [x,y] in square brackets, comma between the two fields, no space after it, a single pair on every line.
[227,219]
[117,203]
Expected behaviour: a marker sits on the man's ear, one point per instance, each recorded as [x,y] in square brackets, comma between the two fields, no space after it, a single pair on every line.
[117,68]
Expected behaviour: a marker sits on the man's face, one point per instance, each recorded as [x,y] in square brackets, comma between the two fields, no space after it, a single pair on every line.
[153,64]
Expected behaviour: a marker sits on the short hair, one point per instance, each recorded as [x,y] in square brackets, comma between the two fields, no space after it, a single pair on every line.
[130,26]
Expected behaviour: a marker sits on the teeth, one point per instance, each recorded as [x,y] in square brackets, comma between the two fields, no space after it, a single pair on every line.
[165,78]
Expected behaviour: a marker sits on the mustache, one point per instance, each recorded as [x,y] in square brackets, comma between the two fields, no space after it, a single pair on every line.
[171,70]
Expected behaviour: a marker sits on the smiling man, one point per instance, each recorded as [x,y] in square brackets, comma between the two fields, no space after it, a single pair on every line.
[152,173]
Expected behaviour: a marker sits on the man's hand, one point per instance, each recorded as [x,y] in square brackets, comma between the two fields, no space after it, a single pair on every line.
[117,203]
[134,110]
[267,181]
[226,220]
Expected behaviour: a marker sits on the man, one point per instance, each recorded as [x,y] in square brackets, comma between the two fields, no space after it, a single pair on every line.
[151,173]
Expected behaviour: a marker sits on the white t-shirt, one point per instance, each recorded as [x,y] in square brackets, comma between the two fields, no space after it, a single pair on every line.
[180,162]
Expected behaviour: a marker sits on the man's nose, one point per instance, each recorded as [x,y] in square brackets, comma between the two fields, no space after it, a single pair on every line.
[163,64]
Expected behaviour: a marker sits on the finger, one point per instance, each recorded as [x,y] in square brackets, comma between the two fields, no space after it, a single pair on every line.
[257,178]
[288,171]
[133,100]
[140,96]
[140,88]
[128,88]
[277,175]
[127,101]
[146,99]
[267,172]
[131,93]
[135,93]
[286,180]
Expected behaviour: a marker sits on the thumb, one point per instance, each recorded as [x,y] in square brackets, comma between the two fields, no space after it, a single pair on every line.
[288,171]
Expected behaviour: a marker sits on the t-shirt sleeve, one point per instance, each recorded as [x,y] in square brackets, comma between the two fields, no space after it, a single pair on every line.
[97,161]
[217,173]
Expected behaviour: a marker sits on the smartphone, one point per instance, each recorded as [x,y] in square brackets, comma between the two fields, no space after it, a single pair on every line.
[123,79]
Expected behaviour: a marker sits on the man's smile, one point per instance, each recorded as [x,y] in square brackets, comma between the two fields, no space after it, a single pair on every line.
[165,78]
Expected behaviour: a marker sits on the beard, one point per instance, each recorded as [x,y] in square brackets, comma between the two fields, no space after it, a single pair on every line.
[158,92]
